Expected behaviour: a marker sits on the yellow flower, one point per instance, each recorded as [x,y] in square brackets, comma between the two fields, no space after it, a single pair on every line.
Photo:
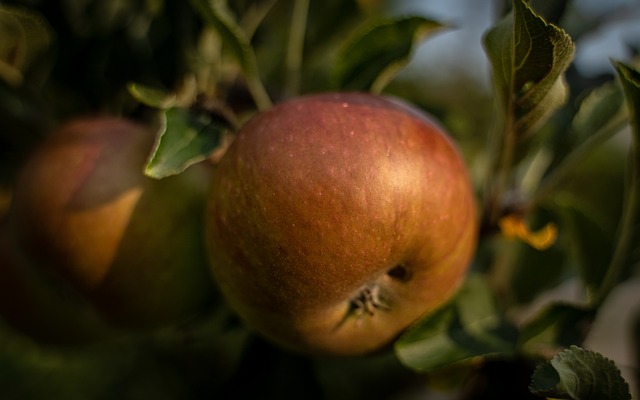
[514,227]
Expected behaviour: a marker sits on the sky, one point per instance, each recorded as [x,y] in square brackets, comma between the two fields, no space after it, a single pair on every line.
[459,48]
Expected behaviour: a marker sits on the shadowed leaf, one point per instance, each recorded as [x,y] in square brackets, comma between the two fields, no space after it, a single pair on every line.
[377,53]
[468,327]
[580,374]
[627,250]
[558,325]
[591,245]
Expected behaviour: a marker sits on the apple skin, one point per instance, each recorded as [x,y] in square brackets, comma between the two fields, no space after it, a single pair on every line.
[83,208]
[337,220]
[44,307]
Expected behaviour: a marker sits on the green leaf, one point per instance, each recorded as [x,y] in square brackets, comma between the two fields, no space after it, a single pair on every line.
[468,327]
[25,36]
[627,249]
[529,58]
[590,244]
[558,325]
[580,374]
[216,15]
[601,115]
[186,138]
[375,54]
[152,97]
[602,107]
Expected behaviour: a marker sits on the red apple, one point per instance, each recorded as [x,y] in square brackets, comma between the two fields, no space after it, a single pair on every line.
[337,220]
[133,245]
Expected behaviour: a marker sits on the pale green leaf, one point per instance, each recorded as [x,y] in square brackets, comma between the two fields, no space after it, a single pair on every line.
[580,374]
[150,96]
[468,327]
[375,54]
[186,138]
[602,107]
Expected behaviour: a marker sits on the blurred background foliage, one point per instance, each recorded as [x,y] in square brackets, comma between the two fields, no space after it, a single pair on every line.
[82,55]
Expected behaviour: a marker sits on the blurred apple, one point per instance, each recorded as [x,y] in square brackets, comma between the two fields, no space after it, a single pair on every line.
[337,220]
[42,306]
[132,245]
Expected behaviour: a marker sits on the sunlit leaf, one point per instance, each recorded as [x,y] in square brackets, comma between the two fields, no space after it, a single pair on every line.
[152,97]
[529,58]
[186,138]
[24,35]
[377,53]
[468,327]
[580,374]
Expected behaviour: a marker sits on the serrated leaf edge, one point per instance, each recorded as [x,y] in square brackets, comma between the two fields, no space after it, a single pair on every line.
[563,358]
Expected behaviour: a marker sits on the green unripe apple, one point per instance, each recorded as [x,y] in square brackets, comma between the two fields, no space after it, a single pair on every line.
[133,245]
[337,220]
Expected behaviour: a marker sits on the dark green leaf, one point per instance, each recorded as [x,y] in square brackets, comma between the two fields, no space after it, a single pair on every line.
[590,244]
[24,36]
[528,57]
[558,325]
[630,78]
[593,170]
[151,97]
[468,327]
[534,271]
[580,374]
[186,138]
[627,249]
[375,54]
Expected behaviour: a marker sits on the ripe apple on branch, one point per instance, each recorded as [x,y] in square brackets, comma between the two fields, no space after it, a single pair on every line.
[336,220]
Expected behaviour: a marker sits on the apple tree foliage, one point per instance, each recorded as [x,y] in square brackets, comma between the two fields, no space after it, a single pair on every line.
[197,70]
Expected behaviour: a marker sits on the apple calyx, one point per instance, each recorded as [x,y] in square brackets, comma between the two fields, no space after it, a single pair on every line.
[367,301]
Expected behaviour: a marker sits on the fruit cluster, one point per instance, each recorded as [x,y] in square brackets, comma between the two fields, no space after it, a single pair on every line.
[332,223]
